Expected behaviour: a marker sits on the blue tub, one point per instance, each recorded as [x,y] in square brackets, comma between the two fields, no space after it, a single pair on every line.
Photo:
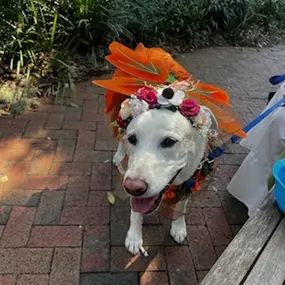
[279,190]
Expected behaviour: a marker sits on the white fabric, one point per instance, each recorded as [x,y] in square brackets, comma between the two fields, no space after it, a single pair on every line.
[266,141]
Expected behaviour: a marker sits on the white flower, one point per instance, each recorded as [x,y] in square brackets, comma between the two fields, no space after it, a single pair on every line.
[125,111]
[138,106]
[175,100]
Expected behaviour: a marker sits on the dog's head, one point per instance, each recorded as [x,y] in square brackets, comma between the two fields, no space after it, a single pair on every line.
[160,143]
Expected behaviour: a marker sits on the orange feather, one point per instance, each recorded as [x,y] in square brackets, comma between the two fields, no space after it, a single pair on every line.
[123,85]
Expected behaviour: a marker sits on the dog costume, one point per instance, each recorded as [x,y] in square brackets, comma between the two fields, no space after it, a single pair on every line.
[148,78]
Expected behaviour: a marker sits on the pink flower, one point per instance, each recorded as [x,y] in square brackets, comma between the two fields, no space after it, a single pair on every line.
[121,122]
[189,108]
[148,95]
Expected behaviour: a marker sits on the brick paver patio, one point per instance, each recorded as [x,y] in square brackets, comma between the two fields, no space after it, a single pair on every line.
[56,225]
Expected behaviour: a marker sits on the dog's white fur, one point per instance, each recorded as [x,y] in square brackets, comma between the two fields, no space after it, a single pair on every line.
[156,165]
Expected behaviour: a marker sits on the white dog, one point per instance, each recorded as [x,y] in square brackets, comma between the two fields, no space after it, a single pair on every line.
[161,145]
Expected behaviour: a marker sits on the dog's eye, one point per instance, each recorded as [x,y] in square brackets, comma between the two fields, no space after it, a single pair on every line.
[132,139]
[168,142]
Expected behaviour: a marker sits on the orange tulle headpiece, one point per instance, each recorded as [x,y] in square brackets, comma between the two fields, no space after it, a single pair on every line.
[155,69]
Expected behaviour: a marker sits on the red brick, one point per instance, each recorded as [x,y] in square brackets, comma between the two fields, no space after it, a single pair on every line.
[73,114]
[65,267]
[154,278]
[97,198]
[76,196]
[55,236]
[201,275]
[85,216]
[41,182]
[4,214]
[65,150]
[41,162]
[92,156]
[120,214]
[25,260]
[205,199]
[195,216]
[7,280]
[226,170]
[220,250]
[74,168]
[218,226]
[36,279]
[88,126]
[91,107]
[201,247]
[96,236]
[122,260]
[86,140]
[11,136]
[180,266]
[89,117]
[10,123]
[157,235]
[17,230]
[49,209]
[33,116]
[52,109]
[104,132]
[106,145]
[95,259]
[79,182]
[101,176]
[42,144]
[54,122]
[20,198]
[101,108]
[23,154]
[35,127]
[52,134]
[16,173]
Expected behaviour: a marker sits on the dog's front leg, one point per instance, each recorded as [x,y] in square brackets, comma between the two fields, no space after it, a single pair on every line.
[134,240]
[178,227]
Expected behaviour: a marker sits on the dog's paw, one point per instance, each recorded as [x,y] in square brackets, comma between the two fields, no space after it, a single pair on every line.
[133,242]
[178,233]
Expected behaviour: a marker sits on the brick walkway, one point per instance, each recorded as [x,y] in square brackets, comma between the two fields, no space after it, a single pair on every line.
[56,226]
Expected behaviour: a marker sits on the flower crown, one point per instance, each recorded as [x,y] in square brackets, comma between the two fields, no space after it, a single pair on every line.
[171,97]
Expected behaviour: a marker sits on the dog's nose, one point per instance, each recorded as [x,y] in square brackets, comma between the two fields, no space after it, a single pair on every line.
[135,187]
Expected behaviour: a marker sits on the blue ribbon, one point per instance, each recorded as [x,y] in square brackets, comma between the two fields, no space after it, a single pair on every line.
[257,120]
[274,80]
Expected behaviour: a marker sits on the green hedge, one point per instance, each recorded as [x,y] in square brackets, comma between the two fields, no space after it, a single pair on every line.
[41,39]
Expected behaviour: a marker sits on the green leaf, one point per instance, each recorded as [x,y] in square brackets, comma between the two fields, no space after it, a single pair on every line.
[114,124]
[171,78]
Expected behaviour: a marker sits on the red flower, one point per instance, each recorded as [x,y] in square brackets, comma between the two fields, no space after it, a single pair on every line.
[148,95]
[189,108]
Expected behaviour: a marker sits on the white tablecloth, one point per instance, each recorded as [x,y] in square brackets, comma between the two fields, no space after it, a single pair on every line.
[265,141]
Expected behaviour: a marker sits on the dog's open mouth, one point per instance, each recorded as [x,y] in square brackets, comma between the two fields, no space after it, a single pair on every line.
[145,205]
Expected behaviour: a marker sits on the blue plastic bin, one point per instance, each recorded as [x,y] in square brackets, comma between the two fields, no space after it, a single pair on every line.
[279,190]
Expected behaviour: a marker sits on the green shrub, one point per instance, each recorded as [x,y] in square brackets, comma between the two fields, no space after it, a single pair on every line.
[41,41]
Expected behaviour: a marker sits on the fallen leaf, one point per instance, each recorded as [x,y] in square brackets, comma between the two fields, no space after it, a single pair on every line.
[74,105]
[3,178]
[111,198]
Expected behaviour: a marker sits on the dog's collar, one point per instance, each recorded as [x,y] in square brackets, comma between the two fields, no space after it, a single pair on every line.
[194,182]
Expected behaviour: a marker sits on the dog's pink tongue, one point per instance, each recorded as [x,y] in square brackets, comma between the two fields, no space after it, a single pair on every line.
[143,205]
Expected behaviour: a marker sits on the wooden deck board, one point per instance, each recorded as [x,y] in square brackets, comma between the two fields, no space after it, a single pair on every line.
[237,260]
[269,268]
